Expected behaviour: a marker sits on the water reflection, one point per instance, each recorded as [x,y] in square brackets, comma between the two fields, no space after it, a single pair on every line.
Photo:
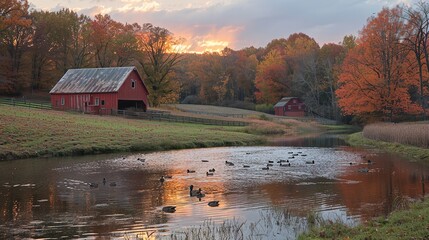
[54,197]
[321,141]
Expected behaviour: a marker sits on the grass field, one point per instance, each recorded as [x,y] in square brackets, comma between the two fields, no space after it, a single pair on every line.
[28,133]
[408,222]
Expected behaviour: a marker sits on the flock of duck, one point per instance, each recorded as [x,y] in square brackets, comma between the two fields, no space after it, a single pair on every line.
[199,193]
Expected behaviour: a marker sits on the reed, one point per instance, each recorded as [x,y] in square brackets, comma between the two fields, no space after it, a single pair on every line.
[414,134]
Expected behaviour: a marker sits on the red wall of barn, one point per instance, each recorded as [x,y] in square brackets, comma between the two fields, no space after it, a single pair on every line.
[294,110]
[85,101]
[139,92]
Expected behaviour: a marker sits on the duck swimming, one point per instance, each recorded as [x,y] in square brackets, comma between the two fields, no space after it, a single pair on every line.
[209,173]
[190,171]
[213,203]
[169,209]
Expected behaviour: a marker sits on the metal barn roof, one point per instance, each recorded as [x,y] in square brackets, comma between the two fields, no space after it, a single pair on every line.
[283,101]
[91,80]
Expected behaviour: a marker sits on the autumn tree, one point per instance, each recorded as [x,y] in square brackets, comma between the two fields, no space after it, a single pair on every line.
[158,58]
[302,55]
[373,79]
[15,35]
[272,79]
[331,57]
[416,39]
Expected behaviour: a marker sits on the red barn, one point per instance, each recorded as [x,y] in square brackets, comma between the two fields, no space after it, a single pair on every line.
[290,106]
[95,90]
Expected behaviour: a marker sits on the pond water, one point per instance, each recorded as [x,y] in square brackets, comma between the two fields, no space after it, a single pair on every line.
[52,198]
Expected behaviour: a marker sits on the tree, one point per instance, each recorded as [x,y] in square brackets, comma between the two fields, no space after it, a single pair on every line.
[330,58]
[14,39]
[373,79]
[416,39]
[158,59]
[12,13]
[272,81]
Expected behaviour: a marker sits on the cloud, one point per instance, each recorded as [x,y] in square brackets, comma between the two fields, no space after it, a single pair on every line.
[243,23]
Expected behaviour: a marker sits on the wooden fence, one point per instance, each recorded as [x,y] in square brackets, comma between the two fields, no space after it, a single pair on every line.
[149,115]
[24,103]
[166,116]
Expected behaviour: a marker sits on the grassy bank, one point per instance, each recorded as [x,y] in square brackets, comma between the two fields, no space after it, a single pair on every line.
[28,133]
[415,153]
[412,223]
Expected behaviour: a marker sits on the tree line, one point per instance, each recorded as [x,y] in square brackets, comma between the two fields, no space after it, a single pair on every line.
[380,74]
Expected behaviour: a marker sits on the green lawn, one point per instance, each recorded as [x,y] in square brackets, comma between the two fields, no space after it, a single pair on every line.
[412,223]
[28,132]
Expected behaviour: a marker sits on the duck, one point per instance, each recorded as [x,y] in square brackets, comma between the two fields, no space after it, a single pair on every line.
[141,159]
[229,163]
[246,166]
[200,194]
[212,170]
[93,185]
[270,161]
[284,165]
[363,170]
[190,171]
[269,165]
[204,160]
[192,192]
[290,152]
[209,173]
[213,203]
[112,184]
[304,155]
[309,162]
[169,209]
[291,157]
[266,168]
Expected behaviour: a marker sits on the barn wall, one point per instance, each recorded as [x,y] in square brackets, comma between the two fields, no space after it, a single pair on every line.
[295,114]
[84,102]
[139,92]
[278,111]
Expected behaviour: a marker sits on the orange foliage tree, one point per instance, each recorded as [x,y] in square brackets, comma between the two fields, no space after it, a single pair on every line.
[272,82]
[374,74]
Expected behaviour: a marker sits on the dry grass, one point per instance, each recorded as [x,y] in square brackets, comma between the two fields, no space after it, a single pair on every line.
[415,134]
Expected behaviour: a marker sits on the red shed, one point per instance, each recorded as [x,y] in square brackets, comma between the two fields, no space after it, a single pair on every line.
[95,90]
[290,106]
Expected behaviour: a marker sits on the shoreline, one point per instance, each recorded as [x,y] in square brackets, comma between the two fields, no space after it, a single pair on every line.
[417,154]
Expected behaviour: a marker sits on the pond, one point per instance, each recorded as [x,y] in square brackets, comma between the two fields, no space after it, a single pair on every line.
[67,198]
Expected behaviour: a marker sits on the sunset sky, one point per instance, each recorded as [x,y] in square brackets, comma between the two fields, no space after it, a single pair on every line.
[211,25]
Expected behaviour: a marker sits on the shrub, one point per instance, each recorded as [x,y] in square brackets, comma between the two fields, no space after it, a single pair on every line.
[265,107]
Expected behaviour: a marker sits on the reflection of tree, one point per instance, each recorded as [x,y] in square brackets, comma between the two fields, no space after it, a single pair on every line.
[377,192]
